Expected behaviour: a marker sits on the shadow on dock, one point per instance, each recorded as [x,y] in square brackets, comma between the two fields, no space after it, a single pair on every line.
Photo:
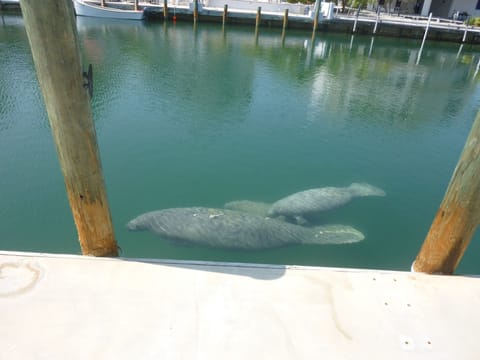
[255,271]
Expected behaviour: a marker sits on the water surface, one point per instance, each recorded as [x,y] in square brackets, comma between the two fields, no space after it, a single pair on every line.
[199,116]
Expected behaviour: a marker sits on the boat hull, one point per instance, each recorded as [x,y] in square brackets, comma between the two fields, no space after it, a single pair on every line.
[84,9]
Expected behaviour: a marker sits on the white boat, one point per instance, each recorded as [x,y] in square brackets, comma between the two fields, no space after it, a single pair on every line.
[83,8]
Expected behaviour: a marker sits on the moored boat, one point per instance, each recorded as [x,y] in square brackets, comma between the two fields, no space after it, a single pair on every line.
[83,8]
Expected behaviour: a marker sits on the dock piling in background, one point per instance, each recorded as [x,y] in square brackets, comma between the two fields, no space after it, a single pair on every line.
[315,16]
[285,20]
[458,215]
[225,14]
[258,19]
[52,34]
[135,5]
[195,11]
[376,21]
[356,20]
[284,27]
[165,9]
[424,38]
[102,3]
[465,34]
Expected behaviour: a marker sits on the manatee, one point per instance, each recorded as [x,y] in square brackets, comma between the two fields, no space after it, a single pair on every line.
[261,208]
[237,230]
[248,206]
[322,199]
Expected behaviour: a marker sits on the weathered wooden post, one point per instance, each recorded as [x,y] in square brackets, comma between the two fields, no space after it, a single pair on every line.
[285,20]
[52,34]
[195,11]
[135,5]
[356,20]
[376,21]
[284,28]
[459,213]
[315,16]
[258,19]
[165,9]
[102,3]
[464,38]
[225,14]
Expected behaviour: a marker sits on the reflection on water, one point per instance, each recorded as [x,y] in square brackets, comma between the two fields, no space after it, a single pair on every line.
[201,117]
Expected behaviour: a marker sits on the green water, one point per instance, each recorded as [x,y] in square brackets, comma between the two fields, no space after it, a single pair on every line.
[200,117]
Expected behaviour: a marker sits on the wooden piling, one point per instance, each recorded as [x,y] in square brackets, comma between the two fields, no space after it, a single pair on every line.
[165,9]
[356,20]
[285,25]
[195,11]
[376,21]
[424,38]
[459,213]
[102,3]
[225,14]
[135,5]
[465,34]
[258,18]
[315,16]
[52,34]
[285,20]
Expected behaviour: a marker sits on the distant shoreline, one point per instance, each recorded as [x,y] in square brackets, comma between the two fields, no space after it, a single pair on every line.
[388,26]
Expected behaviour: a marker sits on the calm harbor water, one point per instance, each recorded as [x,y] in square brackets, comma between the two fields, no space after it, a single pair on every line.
[198,117]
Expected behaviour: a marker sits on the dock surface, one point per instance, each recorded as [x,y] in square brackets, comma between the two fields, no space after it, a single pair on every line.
[74,307]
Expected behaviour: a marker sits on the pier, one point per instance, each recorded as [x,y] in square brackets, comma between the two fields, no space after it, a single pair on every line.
[329,19]
[302,16]
[64,306]
[58,306]
[9,5]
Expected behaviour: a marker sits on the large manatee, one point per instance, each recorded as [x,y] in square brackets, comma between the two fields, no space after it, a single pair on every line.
[317,200]
[237,230]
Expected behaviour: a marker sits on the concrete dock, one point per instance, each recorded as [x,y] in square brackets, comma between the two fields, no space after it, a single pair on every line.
[244,12]
[10,5]
[66,306]
[366,23]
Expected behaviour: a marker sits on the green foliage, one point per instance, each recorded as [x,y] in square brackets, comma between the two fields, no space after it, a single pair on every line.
[353,3]
[357,3]
[475,21]
[308,2]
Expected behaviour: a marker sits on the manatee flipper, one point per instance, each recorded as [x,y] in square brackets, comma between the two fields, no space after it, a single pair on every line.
[364,189]
[334,234]
[300,220]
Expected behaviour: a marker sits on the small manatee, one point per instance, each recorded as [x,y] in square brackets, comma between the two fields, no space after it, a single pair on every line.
[322,199]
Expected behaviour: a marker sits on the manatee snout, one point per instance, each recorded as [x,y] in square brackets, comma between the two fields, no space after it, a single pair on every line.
[131,226]
[136,224]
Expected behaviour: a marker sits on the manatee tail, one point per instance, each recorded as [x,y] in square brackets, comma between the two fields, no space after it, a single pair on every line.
[335,235]
[364,189]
